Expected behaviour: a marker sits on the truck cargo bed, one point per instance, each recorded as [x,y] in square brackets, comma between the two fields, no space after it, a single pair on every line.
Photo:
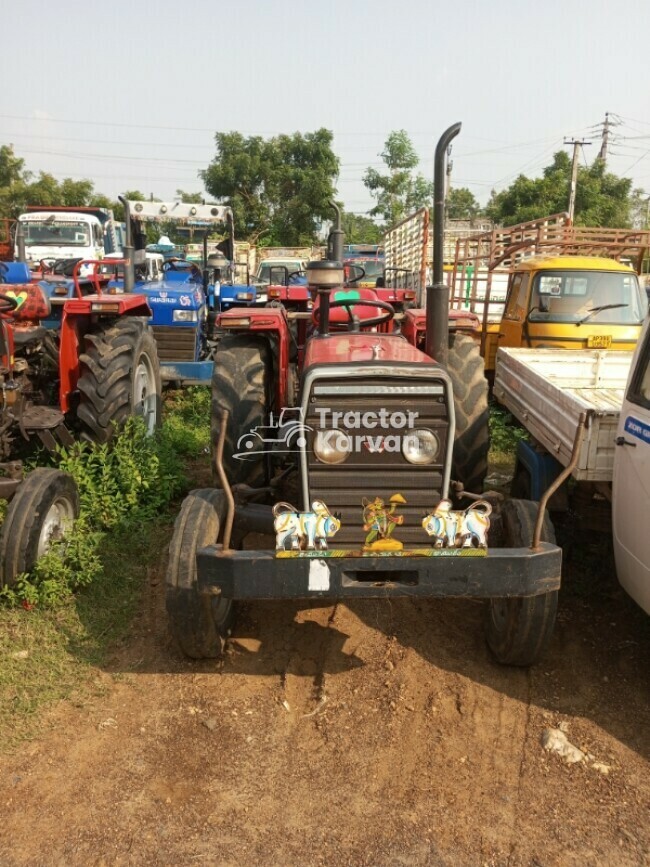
[548,389]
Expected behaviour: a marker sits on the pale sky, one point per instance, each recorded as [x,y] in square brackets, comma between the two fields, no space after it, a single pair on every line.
[130,94]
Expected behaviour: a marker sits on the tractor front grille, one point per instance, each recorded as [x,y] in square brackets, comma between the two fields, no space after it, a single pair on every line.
[175,343]
[378,474]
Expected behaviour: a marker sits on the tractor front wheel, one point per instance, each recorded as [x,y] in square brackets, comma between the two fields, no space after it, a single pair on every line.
[198,622]
[43,509]
[518,630]
[119,378]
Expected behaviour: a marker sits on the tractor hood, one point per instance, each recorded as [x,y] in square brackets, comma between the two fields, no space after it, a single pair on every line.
[366,346]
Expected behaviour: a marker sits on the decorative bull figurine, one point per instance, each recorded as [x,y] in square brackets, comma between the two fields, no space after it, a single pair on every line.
[465,529]
[304,530]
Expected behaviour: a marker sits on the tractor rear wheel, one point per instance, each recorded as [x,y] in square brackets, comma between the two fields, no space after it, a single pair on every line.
[518,630]
[199,622]
[119,378]
[472,442]
[240,384]
[41,512]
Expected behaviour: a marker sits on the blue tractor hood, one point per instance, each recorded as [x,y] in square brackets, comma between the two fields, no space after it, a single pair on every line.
[178,291]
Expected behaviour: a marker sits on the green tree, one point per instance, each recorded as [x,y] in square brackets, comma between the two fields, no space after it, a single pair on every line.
[12,168]
[461,204]
[602,198]
[190,198]
[360,230]
[398,192]
[278,188]
[640,209]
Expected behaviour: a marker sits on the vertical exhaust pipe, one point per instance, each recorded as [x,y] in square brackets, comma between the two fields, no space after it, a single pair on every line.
[437,335]
[335,239]
[128,252]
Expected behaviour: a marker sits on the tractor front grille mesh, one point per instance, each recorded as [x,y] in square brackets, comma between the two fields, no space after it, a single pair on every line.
[175,344]
[377,474]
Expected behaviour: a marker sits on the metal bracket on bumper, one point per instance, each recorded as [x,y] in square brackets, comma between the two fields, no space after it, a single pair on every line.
[262,575]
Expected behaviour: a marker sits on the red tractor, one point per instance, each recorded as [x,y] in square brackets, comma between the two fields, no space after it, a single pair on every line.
[102,369]
[391,439]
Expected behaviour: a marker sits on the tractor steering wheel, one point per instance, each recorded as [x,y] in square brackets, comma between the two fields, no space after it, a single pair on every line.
[349,303]
[352,280]
[7,304]
[47,265]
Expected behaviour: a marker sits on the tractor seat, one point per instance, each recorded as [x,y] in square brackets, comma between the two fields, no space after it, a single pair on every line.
[339,317]
[26,334]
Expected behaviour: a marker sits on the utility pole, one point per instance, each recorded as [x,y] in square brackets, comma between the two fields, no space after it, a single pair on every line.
[603,148]
[577,143]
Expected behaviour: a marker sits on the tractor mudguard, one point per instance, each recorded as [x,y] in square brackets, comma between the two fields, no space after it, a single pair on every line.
[269,320]
[77,317]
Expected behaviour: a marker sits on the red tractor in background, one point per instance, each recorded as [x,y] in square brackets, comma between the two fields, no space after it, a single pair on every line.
[103,369]
[354,480]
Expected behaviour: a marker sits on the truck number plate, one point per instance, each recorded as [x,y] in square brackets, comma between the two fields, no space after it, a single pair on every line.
[599,341]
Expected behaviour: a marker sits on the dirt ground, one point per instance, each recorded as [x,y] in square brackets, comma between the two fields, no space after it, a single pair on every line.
[376,733]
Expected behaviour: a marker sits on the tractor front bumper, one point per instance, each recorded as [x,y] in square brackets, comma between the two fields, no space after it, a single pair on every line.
[498,572]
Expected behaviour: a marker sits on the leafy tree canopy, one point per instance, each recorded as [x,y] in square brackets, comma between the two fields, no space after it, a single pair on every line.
[19,188]
[398,192]
[461,204]
[602,198]
[360,230]
[278,188]
[190,198]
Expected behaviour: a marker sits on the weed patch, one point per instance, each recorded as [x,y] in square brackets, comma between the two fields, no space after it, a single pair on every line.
[58,622]
[505,433]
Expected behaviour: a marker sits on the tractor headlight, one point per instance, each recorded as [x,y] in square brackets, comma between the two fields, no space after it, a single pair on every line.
[420,446]
[185,316]
[332,446]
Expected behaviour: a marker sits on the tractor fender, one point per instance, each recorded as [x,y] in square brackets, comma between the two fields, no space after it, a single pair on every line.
[266,321]
[78,314]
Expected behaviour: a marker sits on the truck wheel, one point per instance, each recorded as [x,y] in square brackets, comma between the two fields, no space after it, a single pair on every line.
[518,630]
[43,509]
[472,442]
[199,623]
[242,368]
[119,378]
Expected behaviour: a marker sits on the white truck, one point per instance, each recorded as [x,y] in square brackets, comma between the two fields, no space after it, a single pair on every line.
[588,413]
[55,233]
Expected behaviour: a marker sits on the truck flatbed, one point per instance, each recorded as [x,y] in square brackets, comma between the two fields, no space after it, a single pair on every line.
[547,390]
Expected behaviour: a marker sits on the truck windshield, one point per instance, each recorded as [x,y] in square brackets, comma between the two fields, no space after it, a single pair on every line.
[275,270]
[598,297]
[373,268]
[56,234]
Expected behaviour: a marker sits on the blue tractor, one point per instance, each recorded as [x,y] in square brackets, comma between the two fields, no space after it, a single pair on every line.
[186,298]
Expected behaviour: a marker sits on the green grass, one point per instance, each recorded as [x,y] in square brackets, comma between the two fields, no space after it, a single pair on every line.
[66,643]
[188,421]
[60,626]
[505,433]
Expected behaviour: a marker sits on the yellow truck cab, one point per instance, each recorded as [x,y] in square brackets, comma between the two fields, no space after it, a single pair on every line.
[532,286]
[569,302]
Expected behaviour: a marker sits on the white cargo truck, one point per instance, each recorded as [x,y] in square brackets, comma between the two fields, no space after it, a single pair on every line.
[588,414]
[54,233]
